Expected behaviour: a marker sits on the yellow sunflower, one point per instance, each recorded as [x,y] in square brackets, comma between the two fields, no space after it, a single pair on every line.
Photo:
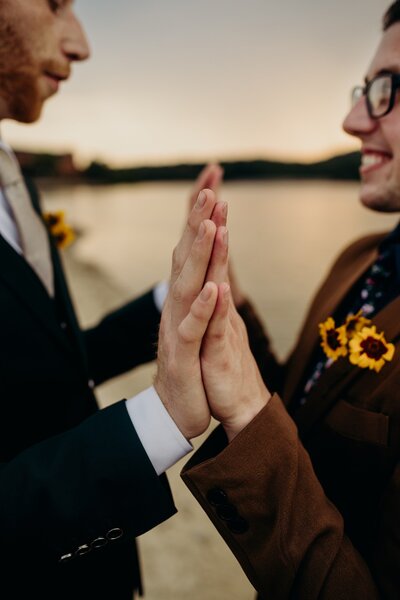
[370,350]
[54,219]
[334,339]
[62,233]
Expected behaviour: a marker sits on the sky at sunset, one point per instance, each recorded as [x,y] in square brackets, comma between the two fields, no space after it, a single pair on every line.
[181,80]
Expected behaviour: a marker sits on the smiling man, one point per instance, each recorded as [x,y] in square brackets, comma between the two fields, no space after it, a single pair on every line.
[375,121]
[307,492]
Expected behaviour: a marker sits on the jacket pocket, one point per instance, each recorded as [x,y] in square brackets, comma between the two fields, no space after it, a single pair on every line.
[359,424]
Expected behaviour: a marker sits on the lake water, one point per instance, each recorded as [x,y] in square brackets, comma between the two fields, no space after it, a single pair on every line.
[283,236]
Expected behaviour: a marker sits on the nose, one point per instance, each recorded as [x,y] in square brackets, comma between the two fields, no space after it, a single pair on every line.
[358,122]
[75,45]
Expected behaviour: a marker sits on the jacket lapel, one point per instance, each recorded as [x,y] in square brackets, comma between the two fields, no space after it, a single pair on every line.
[23,281]
[63,296]
[335,380]
[327,300]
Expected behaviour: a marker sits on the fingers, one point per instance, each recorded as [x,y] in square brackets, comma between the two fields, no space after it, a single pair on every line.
[202,210]
[218,266]
[210,177]
[215,337]
[193,327]
[215,178]
[192,276]
[178,381]
[220,214]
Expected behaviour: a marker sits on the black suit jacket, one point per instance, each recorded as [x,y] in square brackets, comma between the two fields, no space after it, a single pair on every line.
[76,485]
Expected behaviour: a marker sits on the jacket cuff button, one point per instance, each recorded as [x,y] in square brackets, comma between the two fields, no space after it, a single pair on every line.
[238,525]
[227,512]
[99,543]
[217,497]
[115,534]
[66,557]
[84,549]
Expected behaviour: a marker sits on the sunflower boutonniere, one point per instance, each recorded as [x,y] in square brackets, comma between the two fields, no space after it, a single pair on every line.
[333,339]
[357,339]
[62,233]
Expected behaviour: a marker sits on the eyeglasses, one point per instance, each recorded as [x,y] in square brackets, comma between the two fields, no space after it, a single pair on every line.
[380,94]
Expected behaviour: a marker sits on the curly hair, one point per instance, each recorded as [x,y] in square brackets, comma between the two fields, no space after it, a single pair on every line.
[392,15]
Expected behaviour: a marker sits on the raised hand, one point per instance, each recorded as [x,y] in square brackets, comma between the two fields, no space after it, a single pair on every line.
[211,177]
[233,384]
[187,311]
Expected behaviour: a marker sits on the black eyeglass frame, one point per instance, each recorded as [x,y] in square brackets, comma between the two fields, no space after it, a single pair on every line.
[395,83]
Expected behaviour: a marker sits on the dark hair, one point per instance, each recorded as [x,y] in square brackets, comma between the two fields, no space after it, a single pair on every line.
[392,15]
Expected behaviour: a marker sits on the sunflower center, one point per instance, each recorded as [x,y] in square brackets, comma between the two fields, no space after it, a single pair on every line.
[53,220]
[332,339]
[60,237]
[373,348]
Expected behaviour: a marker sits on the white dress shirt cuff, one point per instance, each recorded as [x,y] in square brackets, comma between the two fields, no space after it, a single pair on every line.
[160,437]
[160,293]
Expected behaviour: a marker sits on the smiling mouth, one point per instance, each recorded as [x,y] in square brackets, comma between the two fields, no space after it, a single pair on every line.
[372,160]
[58,77]
[54,80]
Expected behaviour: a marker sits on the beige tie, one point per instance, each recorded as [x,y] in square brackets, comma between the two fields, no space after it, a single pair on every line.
[35,243]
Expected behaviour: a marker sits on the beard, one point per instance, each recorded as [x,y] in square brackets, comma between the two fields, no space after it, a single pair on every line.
[20,94]
[19,77]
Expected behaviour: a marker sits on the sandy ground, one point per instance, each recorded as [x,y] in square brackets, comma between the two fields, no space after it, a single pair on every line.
[183,557]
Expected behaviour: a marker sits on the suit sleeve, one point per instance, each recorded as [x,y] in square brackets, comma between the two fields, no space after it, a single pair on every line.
[124,339]
[73,488]
[264,498]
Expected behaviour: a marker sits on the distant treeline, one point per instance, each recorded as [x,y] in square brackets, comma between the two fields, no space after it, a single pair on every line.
[342,167]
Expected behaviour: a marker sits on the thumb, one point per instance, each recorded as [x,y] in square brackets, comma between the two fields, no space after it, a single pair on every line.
[193,327]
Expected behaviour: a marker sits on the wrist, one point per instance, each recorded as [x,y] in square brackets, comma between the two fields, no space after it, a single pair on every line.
[190,422]
[234,425]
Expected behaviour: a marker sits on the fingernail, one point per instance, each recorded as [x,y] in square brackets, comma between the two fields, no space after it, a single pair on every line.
[206,293]
[201,200]
[202,231]
[225,238]
[225,209]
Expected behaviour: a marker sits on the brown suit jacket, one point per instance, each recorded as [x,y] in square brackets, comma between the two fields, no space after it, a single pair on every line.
[311,506]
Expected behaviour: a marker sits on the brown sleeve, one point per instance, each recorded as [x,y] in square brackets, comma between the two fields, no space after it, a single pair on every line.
[271,370]
[262,495]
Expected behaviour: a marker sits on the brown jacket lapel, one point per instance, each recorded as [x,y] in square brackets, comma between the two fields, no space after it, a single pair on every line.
[335,380]
[344,274]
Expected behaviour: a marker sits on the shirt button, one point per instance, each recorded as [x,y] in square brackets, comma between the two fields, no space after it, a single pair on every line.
[91,384]
[63,325]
